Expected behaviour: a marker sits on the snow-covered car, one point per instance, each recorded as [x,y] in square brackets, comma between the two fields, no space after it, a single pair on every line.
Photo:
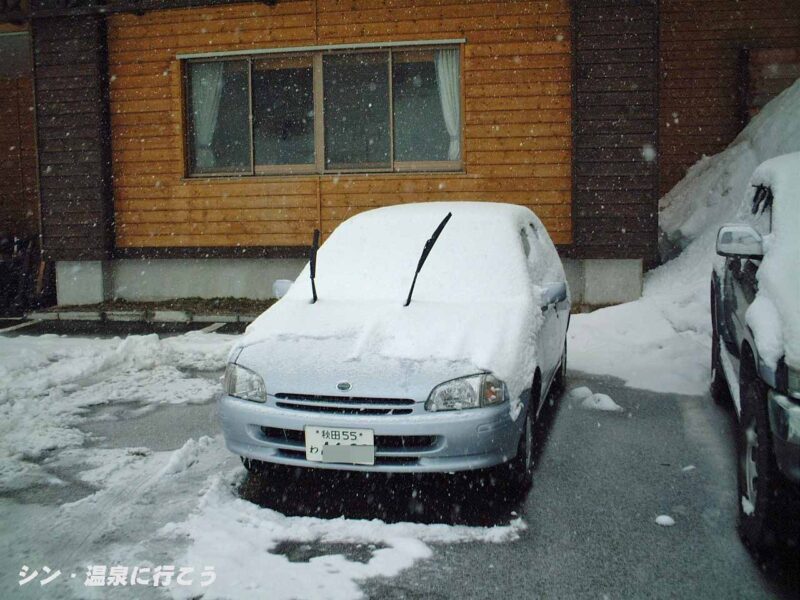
[755,308]
[420,338]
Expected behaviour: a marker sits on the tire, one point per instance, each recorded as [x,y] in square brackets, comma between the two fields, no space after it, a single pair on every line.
[761,489]
[560,380]
[520,468]
[719,390]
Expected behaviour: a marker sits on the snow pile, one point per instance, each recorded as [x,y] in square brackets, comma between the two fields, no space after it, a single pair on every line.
[665,521]
[662,341]
[48,382]
[602,402]
[591,401]
[775,314]
[185,457]
[239,538]
[712,190]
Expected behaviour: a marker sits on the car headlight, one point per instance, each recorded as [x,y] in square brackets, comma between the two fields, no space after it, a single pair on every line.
[467,392]
[793,380]
[243,383]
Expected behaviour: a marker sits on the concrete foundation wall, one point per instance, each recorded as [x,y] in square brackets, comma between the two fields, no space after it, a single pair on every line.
[600,282]
[592,282]
[205,278]
[82,282]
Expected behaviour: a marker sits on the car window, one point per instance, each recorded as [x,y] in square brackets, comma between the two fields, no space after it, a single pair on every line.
[544,265]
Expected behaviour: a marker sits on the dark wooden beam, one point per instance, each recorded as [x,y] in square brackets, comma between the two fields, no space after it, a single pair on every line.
[18,11]
[615,129]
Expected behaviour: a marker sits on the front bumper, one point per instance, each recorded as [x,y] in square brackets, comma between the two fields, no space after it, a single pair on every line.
[784,418]
[421,443]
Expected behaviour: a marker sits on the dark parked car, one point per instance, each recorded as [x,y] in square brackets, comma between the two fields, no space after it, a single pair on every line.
[764,390]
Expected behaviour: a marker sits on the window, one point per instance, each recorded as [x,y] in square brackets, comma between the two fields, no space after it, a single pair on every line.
[218,117]
[283,115]
[356,92]
[365,110]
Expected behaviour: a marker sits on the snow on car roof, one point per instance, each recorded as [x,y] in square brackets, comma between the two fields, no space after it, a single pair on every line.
[373,255]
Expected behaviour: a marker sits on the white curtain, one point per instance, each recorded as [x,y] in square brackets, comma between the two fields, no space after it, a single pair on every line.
[449,82]
[206,96]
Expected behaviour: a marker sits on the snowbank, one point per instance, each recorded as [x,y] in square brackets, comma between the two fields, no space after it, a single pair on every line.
[712,191]
[662,341]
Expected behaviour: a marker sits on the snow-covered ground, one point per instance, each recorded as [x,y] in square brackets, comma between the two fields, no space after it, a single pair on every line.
[662,342]
[71,501]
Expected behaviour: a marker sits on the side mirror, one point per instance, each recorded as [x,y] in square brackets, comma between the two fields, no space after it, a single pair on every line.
[553,293]
[280,287]
[739,241]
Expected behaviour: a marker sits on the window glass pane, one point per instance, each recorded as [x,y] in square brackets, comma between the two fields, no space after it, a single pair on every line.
[16,52]
[420,129]
[356,100]
[283,111]
[218,113]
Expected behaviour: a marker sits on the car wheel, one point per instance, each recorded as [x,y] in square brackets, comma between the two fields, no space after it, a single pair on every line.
[720,392]
[560,380]
[520,468]
[760,485]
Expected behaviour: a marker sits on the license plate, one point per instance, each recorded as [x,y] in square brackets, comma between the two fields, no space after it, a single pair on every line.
[340,445]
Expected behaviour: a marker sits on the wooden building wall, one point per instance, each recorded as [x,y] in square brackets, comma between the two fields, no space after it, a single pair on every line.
[616,129]
[769,72]
[72,128]
[701,84]
[517,72]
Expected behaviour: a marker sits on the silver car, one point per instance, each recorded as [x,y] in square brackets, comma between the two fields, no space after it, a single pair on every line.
[419,338]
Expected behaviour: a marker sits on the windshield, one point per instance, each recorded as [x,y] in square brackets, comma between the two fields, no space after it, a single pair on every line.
[374,256]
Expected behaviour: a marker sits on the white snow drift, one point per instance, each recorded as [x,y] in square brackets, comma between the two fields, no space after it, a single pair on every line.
[662,341]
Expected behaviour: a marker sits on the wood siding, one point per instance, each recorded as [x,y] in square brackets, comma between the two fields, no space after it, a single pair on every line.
[72,123]
[19,207]
[616,128]
[517,74]
[701,84]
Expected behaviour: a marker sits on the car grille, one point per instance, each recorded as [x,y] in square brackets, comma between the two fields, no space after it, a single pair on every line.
[345,405]
[382,442]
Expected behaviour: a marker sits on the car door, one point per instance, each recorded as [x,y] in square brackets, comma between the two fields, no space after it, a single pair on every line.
[550,341]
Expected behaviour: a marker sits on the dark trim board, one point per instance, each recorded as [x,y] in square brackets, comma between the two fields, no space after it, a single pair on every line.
[615,117]
[67,8]
[74,177]
[153,253]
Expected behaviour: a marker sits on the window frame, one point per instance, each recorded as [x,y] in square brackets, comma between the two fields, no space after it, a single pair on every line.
[318,167]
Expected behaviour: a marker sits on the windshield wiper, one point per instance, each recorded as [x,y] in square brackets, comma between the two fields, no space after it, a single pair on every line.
[313,265]
[425,252]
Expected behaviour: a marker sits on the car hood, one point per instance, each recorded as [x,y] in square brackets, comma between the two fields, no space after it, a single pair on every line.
[385,350]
